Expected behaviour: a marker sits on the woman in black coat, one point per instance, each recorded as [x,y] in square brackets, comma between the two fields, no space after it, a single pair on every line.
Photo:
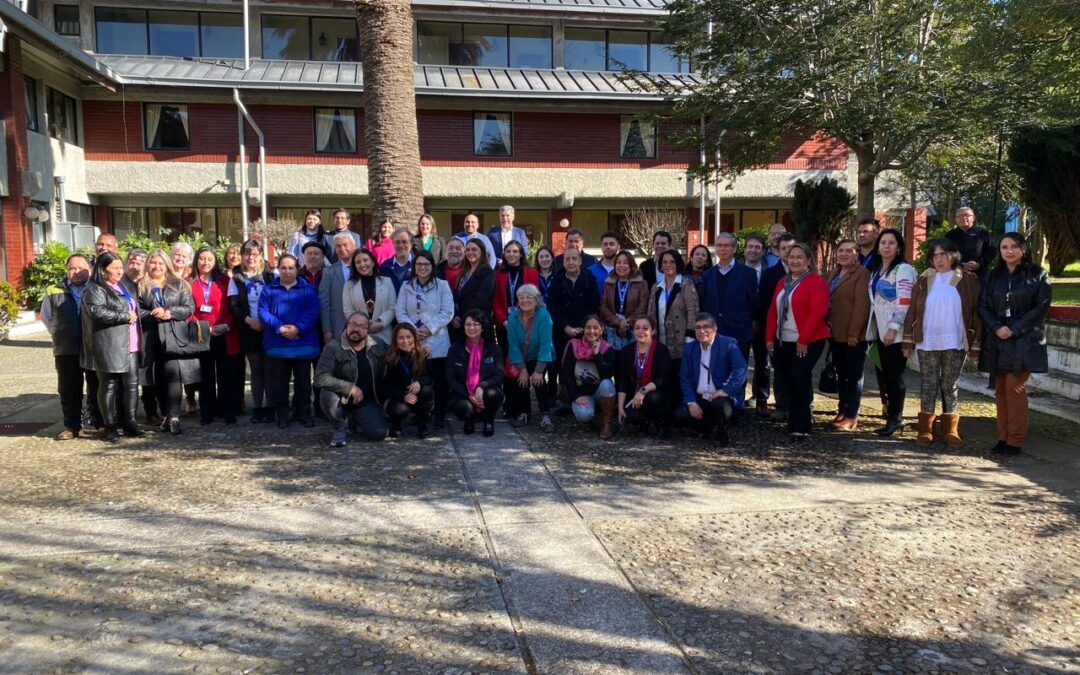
[405,385]
[475,287]
[474,373]
[165,302]
[249,280]
[1013,308]
[642,373]
[111,344]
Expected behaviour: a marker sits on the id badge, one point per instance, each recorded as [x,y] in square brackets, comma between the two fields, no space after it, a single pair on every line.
[1008,312]
[206,309]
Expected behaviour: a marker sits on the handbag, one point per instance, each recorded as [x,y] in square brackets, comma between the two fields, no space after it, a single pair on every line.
[828,383]
[586,373]
[184,338]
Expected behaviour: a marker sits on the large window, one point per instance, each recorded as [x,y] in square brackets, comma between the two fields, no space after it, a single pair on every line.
[169,33]
[600,49]
[637,136]
[335,131]
[66,20]
[166,126]
[63,117]
[300,38]
[483,44]
[168,223]
[30,91]
[492,134]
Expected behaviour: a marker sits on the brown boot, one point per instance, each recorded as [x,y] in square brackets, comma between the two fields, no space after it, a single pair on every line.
[950,426]
[607,412]
[926,428]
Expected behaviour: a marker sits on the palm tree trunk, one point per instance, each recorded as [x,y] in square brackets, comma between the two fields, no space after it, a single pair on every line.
[395,183]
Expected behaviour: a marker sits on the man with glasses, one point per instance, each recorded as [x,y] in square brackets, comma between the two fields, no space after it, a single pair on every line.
[712,378]
[731,294]
[346,375]
[342,221]
[773,254]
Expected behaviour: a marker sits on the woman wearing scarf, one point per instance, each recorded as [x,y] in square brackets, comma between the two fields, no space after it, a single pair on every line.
[513,273]
[625,299]
[369,293]
[427,304]
[219,390]
[643,368]
[474,373]
[795,334]
[588,366]
[112,341]
[673,308]
[405,385]
[531,352]
[249,280]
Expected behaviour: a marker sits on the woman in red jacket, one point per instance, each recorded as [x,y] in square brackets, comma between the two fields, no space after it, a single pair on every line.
[513,273]
[796,332]
[219,388]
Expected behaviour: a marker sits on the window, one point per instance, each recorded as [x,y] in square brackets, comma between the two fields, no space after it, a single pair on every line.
[299,38]
[335,131]
[166,126]
[32,116]
[483,44]
[121,31]
[66,19]
[637,136]
[599,49]
[63,120]
[169,32]
[128,221]
[492,134]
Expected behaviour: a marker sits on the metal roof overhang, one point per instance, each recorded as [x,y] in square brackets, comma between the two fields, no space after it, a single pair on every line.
[624,7]
[32,31]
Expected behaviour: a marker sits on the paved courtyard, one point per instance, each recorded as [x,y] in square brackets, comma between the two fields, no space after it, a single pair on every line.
[248,550]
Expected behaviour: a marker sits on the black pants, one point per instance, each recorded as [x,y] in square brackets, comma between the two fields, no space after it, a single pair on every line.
[368,416]
[797,373]
[714,419]
[169,386]
[118,393]
[279,372]
[463,407]
[397,410]
[552,373]
[150,399]
[219,390]
[850,363]
[893,365]
[654,409]
[437,368]
[70,380]
[517,397]
[760,388]
[91,410]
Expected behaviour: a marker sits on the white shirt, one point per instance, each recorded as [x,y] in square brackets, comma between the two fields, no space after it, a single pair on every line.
[507,236]
[346,270]
[724,270]
[704,381]
[789,332]
[757,269]
[943,320]
[661,307]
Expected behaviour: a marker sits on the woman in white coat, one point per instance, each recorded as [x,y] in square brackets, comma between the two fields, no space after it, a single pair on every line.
[428,304]
[371,294]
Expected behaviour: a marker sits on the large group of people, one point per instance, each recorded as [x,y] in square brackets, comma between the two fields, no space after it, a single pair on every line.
[408,327]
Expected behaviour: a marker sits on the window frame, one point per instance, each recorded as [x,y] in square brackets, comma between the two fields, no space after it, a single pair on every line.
[510,150]
[656,134]
[146,27]
[607,49]
[148,138]
[50,93]
[78,20]
[311,36]
[461,32]
[33,117]
[315,131]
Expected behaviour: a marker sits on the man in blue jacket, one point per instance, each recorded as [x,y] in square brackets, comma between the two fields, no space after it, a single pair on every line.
[712,378]
[506,232]
[731,294]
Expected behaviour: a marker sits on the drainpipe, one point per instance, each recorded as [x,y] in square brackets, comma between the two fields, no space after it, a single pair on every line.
[262,167]
[703,158]
[247,37]
[716,206]
[242,171]
[61,197]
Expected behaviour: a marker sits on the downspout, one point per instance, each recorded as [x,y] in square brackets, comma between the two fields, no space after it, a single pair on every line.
[262,168]
[703,159]
[242,171]
[716,206]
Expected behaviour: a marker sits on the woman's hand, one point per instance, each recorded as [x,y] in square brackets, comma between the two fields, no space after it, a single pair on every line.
[477,398]
[132,317]
[622,415]
[583,401]
[413,388]
[158,313]
[769,346]
[570,332]
[375,327]
[853,342]
[523,378]
[536,379]
[456,322]
[906,351]
[410,399]
[219,329]
[624,327]
[596,348]
[890,337]
[800,350]
[424,333]
[637,401]
[1003,333]
[253,323]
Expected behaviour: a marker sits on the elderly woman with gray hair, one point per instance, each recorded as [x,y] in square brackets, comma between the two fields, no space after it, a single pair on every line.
[531,351]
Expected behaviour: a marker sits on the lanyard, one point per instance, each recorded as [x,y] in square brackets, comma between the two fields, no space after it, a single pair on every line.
[127,296]
[417,288]
[623,287]
[545,283]
[158,297]
[641,359]
[205,292]
[667,294]
[512,281]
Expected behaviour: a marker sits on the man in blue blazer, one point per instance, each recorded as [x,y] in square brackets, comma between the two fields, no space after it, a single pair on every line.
[506,232]
[712,378]
[731,294]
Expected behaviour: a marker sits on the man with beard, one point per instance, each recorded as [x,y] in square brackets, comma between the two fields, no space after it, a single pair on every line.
[346,374]
[609,248]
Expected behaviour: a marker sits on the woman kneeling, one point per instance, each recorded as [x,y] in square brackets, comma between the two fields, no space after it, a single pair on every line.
[588,366]
[405,383]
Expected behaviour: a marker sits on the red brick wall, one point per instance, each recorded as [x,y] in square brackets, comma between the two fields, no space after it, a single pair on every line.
[18,242]
[540,139]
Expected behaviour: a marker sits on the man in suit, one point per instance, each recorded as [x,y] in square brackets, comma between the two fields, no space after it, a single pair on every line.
[661,242]
[506,232]
[731,294]
[712,379]
[769,279]
[331,309]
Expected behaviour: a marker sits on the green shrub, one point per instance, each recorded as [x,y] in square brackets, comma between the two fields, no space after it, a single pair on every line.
[922,256]
[137,240]
[48,268]
[9,307]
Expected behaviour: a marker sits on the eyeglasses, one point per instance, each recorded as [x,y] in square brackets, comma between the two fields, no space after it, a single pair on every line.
[704,328]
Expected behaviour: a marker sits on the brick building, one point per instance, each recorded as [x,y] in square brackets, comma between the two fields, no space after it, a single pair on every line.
[121,116]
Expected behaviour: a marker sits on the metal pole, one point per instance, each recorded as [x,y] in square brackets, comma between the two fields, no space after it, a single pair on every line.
[242,170]
[262,169]
[704,166]
[997,180]
[716,206]
[247,37]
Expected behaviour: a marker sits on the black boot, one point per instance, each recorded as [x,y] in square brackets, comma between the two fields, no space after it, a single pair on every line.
[470,426]
[891,427]
[283,418]
[110,434]
[131,407]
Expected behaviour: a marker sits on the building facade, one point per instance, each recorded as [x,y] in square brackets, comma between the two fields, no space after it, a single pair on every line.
[121,116]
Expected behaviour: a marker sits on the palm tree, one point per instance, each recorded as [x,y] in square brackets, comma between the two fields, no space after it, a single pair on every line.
[395,183]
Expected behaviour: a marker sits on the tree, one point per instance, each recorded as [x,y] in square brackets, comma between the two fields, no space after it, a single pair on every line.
[820,211]
[888,79]
[395,182]
[639,226]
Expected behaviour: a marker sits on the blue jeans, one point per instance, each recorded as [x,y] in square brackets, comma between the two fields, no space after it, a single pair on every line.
[605,389]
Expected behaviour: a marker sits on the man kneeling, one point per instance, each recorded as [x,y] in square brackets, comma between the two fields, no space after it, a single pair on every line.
[712,377]
[346,375]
